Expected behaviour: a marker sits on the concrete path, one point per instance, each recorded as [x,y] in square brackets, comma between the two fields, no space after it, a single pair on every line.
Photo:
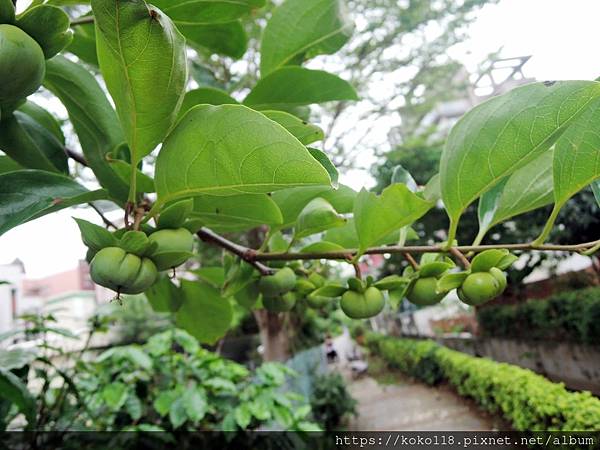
[398,403]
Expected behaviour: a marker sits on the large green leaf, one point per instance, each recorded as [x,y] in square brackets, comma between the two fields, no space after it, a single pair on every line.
[227,39]
[577,155]
[377,216]
[30,144]
[301,29]
[292,201]
[305,132]
[143,61]
[8,165]
[93,118]
[204,313]
[83,44]
[44,118]
[503,134]
[164,296]
[49,26]
[527,189]
[205,96]
[237,212]
[231,150]
[13,389]
[296,86]
[206,12]
[28,194]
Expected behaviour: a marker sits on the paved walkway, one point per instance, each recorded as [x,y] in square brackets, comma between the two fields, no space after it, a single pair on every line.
[406,405]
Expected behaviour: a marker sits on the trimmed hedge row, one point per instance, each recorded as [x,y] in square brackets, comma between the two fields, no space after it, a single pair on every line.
[572,316]
[528,401]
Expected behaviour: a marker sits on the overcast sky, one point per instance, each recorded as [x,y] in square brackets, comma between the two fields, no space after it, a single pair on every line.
[561,35]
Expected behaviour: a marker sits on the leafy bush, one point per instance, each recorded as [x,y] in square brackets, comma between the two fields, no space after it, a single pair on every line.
[331,401]
[572,316]
[529,401]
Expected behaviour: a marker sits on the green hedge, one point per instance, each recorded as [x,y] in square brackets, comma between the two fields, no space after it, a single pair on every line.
[572,316]
[528,401]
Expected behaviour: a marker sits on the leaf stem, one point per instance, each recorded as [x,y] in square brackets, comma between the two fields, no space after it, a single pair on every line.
[411,260]
[592,250]
[548,227]
[462,258]
[82,20]
[451,233]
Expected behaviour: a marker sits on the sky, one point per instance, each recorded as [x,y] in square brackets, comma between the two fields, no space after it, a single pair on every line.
[561,36]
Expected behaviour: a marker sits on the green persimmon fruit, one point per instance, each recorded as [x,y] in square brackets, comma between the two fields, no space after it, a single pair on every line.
[317,301]
[281,303]
[423,292]
[123,272]
[500,277]
[284,280]
[173,247]
[357,305]
[479,287]
[22,64]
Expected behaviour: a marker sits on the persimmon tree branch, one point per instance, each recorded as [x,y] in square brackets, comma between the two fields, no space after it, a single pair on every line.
[245,253]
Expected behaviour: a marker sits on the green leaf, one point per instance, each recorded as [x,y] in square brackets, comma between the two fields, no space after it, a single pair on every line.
[329,290]
[134,407]
[305,132]
[7,11]
[94,236]
[401,175]
[177,413]
[391,283]
[162,403]
[506,261]
[319,27]
[577,156]
[324,160]
[205,96]
[115,395]
[204,313]
[44,118]
[503,134]
[527,189]
[227,39]
[83,44]
[28,194]
[296,86]
[316,217]
[164,296]
[234,158]
[434,269]
[13,389]
[130,33]
[206,12]
[49,26]
[484,261]
[8,165]
[451,281]
[135,242]
[237,276]
[175,215]
[16,358]
[377,216]
[93,118]
[292,201]
[236,212]
[30,144]
[214,276]
[143,183]
[243,416]
[432,191]
[195,404]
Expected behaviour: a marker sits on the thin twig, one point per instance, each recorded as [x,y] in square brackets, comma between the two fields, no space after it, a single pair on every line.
[575,248]
[411,260]
[245,253]
[106,221]
[82,20]
[462,258]
[77,157]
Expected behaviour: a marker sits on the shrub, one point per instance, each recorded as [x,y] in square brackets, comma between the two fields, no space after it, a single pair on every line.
[528,401]
[572,316]
[331,401]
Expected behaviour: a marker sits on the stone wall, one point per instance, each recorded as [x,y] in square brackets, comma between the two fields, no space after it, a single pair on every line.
[577,366]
